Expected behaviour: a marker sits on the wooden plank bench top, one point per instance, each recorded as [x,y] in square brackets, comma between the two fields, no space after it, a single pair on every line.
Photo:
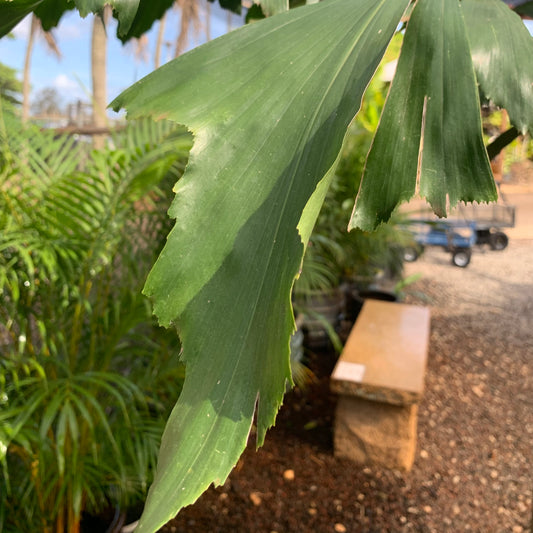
[385,356]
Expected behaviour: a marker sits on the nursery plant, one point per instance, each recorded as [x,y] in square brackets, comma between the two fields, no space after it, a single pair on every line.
[269,105]
[358,254]
[86,376]
[338,265]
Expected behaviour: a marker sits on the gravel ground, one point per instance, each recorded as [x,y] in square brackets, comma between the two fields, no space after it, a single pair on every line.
[476,420]
[473,470]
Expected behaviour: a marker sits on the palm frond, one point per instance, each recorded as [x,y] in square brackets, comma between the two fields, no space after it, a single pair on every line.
[76,242]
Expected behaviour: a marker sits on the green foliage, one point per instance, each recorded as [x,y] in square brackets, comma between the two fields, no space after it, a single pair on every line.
[238,247]
[495,34]
[333,254]
[254,139]
[524,8]
[10,88]
[410,148]
[86,377]
[269,106]
[11,13]
[149,11]
[51,11]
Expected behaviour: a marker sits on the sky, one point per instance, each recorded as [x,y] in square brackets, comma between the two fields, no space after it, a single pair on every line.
[71,75]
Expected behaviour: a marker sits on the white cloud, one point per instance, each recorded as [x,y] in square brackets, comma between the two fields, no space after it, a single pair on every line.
[69,32]
[63,83]
[72,28]
[69,88]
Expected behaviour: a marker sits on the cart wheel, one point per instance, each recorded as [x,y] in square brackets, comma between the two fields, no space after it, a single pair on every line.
[461,257]
[410,254]
[498,241]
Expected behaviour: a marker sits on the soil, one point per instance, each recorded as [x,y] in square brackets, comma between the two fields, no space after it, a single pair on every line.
[473,470]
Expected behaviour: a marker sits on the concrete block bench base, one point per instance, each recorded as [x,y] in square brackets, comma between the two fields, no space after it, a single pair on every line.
[374,433]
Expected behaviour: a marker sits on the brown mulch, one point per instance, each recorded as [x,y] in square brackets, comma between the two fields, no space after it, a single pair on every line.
[473,470]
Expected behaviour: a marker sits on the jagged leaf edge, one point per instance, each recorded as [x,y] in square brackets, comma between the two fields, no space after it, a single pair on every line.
[293,276]
[367,214]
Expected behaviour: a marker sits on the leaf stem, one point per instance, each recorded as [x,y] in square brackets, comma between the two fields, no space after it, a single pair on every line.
[504,139]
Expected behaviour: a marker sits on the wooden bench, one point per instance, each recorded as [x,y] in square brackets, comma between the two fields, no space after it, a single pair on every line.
[379,378]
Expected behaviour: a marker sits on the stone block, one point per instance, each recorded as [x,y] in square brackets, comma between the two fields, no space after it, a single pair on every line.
[385,356]
[374,433]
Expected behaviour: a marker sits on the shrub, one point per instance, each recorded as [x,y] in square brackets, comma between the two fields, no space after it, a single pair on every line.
[86,375]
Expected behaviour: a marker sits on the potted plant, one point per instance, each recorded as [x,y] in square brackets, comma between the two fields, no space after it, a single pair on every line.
[341,268]
[86,376]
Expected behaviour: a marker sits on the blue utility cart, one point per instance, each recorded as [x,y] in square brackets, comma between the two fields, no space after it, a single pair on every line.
[490,219]
[466,226]
[456,237]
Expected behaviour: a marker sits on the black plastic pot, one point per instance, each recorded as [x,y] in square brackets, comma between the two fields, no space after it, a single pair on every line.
[355,299]
[110,520]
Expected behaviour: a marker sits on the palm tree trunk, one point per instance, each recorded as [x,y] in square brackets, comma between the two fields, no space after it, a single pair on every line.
[228,22]
[99,78]
[159,42]
[207,20]
[189,16]
[26,74]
